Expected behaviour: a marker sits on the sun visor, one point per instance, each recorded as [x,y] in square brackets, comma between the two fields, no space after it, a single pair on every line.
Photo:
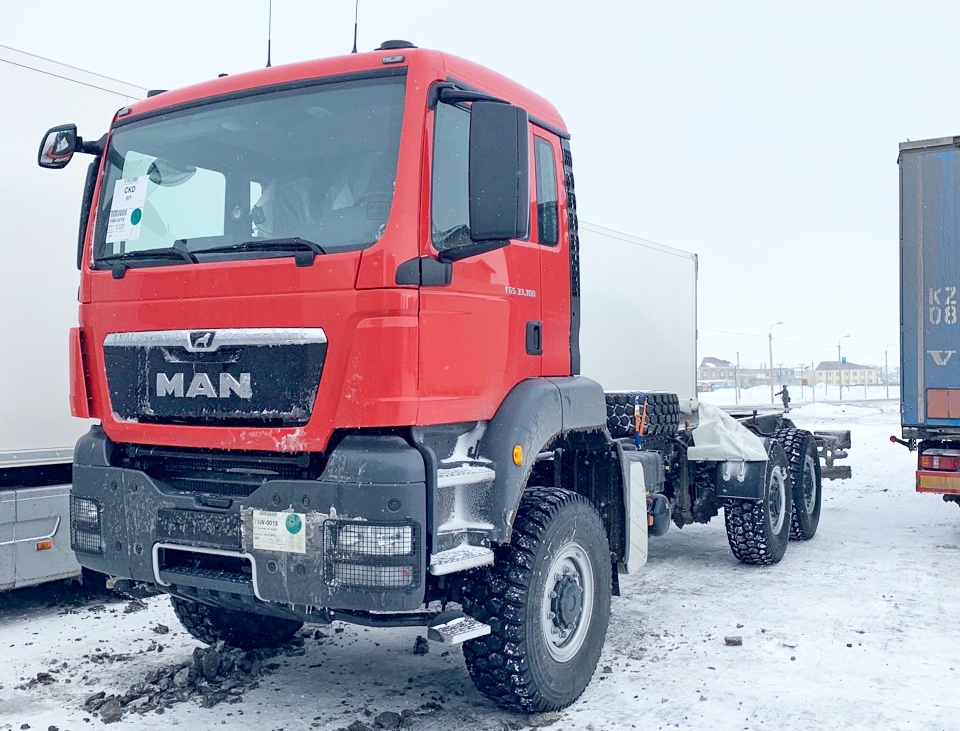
[721,438]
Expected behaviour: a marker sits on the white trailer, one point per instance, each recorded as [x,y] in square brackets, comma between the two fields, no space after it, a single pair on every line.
[40,281]
[655,288]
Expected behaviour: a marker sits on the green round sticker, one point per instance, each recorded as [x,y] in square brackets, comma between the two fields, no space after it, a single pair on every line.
[294,524]
[136,216]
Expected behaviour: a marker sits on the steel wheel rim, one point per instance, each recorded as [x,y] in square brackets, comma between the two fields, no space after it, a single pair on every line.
[570,577]
[777,499]
[809,485]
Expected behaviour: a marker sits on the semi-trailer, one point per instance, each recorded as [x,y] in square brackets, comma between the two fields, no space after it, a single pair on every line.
[929,281]
[38,299]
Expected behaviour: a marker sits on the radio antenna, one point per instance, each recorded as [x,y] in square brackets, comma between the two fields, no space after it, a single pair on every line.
[269,31]
[356,13]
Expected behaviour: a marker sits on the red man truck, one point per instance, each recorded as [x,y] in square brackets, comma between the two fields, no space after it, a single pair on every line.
[330,325]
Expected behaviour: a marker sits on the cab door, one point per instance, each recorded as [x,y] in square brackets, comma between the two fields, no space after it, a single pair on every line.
[551,233]
[481,334]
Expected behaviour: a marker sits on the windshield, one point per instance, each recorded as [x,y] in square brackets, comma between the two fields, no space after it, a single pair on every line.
[241,178]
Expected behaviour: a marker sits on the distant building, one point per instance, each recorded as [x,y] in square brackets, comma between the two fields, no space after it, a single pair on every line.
[716,369]
[718,373]
[854,374]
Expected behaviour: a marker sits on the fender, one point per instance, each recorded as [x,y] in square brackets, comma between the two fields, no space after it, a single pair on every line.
[533,415]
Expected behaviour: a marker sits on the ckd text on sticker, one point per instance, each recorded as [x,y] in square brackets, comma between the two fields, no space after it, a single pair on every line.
[126,209]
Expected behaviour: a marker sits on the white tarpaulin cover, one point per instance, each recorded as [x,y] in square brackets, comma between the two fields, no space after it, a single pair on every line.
[721,438]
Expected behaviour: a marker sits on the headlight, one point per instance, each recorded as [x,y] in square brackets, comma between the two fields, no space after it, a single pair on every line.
[364,554]
[374,540]
[362,575]
[85,525]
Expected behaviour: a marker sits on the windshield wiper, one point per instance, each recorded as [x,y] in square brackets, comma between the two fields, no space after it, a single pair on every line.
[121,262]
[304,251]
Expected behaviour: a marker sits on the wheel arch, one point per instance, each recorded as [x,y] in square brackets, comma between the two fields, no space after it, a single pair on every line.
[537,415]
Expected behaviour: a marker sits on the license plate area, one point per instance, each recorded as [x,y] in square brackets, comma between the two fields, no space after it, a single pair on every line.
[199,527]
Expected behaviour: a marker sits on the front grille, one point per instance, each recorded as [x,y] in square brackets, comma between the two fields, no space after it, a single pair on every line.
[254,378]
[231,474]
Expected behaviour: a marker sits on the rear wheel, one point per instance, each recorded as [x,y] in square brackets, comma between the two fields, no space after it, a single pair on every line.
[758,530]
[801,449]
[547,601]
[245,630]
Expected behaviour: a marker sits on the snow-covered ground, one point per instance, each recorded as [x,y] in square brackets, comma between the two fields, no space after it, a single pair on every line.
[855,629]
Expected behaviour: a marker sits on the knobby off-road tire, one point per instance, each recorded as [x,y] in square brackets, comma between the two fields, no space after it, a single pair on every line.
[547,601]
[237,629]
[801,449]
[758,530]
[663,413]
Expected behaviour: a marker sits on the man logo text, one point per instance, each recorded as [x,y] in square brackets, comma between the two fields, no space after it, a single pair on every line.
[202,385]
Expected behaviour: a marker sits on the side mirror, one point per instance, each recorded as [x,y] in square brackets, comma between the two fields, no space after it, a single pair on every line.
[499,172]
[58,147]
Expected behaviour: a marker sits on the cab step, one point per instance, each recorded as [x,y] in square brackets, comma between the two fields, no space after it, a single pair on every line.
[460,558]
[465,474]
[452,628]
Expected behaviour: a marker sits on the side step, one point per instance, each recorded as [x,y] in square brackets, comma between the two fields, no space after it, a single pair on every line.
[467,474]
[452,628]
[460,558]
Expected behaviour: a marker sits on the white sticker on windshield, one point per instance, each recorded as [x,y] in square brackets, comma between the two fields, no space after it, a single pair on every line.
[126,210]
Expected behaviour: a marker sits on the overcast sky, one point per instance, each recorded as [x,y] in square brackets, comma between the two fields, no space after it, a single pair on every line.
[760,136]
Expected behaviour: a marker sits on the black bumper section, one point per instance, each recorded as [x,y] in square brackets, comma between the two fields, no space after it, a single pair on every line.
[356,535]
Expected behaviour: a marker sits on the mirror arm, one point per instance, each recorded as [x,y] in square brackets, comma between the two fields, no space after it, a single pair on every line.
[450,94]
[473,249]
[91,148]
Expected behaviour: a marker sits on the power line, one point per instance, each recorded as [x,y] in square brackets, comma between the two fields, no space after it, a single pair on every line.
[792,342]
[728,332]
[67,78]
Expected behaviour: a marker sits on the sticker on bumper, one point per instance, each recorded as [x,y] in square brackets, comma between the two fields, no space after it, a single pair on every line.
[274,531]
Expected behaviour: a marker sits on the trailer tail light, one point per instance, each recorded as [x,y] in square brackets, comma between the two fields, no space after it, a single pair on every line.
[946,460]
[85,525]
[79,392]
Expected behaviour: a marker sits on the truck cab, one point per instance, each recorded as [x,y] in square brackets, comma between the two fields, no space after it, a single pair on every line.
[328,322]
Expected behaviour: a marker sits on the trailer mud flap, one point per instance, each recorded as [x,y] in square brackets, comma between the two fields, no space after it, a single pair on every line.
[741,479]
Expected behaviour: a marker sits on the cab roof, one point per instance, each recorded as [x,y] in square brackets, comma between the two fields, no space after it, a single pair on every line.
[423,67]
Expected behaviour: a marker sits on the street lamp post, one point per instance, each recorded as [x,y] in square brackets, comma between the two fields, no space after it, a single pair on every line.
[886,369]
[770,337]
[840,365]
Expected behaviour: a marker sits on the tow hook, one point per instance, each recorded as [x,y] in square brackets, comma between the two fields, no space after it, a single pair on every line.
[910,444]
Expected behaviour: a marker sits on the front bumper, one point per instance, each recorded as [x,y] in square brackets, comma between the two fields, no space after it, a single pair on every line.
[351,539]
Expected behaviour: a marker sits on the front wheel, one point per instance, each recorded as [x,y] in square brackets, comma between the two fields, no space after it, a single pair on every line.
[758,530]
[547,601]
[245,630]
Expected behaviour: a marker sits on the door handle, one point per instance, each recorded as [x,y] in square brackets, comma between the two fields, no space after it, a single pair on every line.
[534,337]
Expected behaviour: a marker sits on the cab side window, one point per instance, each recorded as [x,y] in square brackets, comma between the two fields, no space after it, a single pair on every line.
[548,231]
[450,209]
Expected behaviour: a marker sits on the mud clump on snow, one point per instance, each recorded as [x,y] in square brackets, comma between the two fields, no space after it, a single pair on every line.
[40,679]
[541,720]
[391,720]
[214,675]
